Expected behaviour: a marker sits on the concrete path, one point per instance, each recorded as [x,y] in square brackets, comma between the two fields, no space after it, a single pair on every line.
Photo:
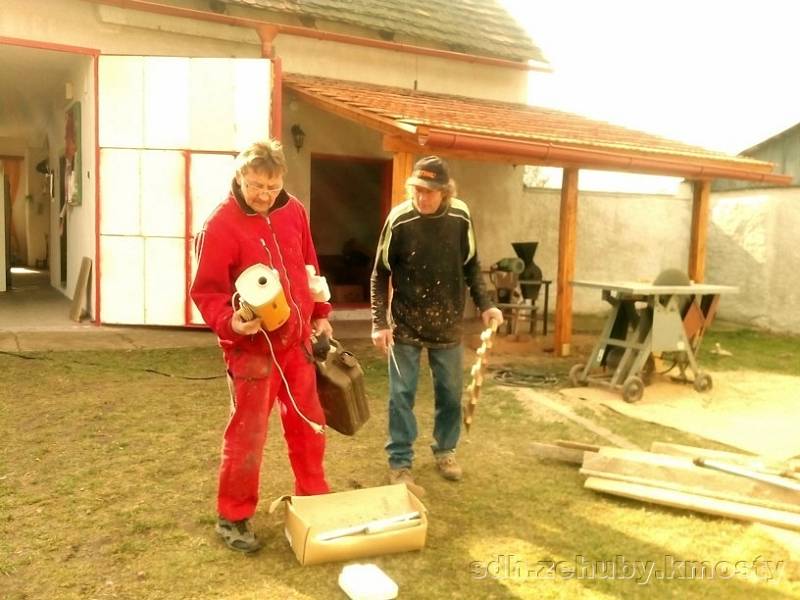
[34,317]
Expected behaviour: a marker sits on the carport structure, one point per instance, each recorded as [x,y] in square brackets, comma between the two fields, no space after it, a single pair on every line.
[415,123]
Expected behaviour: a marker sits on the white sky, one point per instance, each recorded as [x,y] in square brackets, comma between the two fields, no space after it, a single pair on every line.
[722,74]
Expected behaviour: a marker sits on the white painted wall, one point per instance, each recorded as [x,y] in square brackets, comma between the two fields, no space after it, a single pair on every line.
[753,243]
[385,67]
[79,219]
[620,236]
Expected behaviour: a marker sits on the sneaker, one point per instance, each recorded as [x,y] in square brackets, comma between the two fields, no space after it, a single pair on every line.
[448,467]
[237,535]
[403,475]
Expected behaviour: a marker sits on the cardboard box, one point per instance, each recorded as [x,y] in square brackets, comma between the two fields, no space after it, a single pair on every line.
[353,524]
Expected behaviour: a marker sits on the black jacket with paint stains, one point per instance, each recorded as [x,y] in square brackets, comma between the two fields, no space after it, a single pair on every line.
[431,260]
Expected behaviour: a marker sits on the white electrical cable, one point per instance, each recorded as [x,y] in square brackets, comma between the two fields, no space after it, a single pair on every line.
[315,426]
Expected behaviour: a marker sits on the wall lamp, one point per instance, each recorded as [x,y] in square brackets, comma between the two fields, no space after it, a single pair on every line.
[299,136]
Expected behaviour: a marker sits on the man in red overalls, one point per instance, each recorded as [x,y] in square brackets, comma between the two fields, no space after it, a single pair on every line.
[260,223]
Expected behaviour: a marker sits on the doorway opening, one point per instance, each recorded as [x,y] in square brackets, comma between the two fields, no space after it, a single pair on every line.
[32,126]
[349,199]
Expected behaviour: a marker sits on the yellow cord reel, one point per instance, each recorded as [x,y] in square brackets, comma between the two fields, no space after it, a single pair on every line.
[261,295]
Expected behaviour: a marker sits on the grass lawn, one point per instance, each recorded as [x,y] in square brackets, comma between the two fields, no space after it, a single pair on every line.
[108,480]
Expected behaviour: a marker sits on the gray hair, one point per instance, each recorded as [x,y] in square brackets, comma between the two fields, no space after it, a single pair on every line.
[263,157]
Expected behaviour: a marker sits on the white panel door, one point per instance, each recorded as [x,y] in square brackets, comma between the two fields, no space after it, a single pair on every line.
[120,189]
[158,115]
[166,102]
[163,198]
[122,279]
[210,179]
[212,100]
[163,283]
[121,98]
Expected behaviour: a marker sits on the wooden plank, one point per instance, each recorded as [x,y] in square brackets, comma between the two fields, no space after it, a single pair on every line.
[677,499]
[681,474]
[577,445]
[688,489]
[751,461]
[80,297]
[768,478]
[570,455]
[567,233]
[699,234]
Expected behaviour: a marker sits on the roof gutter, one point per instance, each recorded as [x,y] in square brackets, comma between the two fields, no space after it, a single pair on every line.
[560,154]
[277,28]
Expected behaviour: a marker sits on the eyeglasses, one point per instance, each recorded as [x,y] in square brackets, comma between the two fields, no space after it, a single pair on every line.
[262,191]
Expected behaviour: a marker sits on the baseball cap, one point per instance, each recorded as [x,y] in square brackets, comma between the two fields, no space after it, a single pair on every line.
[429,172]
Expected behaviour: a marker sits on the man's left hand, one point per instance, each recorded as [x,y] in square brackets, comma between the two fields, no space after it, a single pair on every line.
[322,326]
[492,314]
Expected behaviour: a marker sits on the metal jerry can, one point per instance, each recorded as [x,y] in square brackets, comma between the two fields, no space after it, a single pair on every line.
[340,385]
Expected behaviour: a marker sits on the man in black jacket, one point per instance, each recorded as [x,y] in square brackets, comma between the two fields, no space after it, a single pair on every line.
[427,250]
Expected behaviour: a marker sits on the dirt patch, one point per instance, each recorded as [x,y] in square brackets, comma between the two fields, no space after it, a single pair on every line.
[752,411]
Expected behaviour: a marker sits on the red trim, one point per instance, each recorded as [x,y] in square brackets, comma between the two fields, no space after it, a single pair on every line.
[96,76]
[188,239]
[276,112]
[48,46]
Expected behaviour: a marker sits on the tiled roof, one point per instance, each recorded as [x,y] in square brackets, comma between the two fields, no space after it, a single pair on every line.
[479,27]
[406,112]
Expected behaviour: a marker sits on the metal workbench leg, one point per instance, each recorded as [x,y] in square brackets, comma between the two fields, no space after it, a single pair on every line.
[602,342]
[546,302]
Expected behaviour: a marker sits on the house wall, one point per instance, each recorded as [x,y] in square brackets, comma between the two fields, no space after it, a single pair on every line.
[385,67]
[117,31]
[79,220]
[112,30]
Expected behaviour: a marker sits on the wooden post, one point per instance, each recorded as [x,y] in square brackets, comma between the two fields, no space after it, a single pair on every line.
[697,245]
[402,164]
[566,261]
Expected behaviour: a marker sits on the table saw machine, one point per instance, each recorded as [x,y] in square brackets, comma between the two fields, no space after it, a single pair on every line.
[646,320]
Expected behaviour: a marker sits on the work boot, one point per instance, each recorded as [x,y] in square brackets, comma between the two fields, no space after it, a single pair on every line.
[237,535]
[403,475]
[448,467]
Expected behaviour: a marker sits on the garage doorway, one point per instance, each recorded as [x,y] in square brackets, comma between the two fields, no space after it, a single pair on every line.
[349,199]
